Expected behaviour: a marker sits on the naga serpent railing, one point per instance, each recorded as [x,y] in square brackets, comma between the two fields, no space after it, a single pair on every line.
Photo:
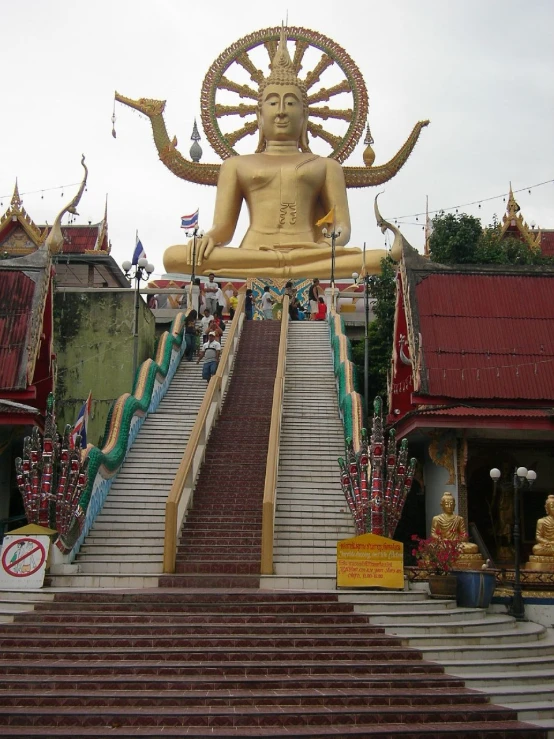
[350,400]
[125,418]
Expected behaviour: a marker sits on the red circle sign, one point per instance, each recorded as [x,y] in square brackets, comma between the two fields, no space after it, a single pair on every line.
[23,557]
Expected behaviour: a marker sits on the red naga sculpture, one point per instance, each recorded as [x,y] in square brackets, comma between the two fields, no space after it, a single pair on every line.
[376,480]
[51,476]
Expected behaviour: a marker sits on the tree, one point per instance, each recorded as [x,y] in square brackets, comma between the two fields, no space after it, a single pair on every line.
[455,239]
[460,239]
[383,289]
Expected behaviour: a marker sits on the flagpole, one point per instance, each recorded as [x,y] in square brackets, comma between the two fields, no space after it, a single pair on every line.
[426,247]
[366,337]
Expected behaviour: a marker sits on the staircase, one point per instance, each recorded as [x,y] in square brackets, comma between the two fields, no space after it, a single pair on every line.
[228,663]
[311,512]
[220,544]
[124,547]
[512,662]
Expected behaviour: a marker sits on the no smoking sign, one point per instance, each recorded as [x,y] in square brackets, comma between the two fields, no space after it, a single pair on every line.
[23,561]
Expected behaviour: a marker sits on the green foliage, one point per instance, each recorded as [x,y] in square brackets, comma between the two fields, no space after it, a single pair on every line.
[380,334]
[460,239]
[455,239]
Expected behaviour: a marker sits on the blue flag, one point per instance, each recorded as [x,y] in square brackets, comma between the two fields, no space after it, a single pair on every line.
[139,251]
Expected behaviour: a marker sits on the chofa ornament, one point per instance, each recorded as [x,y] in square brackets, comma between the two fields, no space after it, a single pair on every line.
[376,480]
[51,477]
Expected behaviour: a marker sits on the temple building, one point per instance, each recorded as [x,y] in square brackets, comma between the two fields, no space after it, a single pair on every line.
[514,225]
[472,384]
[29,276]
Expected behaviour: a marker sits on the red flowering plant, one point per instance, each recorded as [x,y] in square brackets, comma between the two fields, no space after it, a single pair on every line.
[437,555]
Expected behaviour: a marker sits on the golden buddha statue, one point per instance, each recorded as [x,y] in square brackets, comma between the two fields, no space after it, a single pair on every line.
[448,525]
[287,189]
[543,551]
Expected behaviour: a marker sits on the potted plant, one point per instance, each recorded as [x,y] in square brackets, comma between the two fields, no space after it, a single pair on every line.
[439,557]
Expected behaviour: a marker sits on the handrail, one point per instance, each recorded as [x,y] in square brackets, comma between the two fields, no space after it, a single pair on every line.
[180,494]
[272,464]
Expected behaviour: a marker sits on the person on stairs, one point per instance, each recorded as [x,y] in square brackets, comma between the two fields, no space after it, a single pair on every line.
[267,304]
[210,353]
[249,305]
[206,320]
[321,314]
[190,334]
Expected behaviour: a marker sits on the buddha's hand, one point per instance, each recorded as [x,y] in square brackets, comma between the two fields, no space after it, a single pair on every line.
[204,247]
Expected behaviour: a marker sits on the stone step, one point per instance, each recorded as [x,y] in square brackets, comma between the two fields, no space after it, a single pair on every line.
[433,626]
[136,566]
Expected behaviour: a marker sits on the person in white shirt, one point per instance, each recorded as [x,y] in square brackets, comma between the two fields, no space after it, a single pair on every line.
[267,304]
[210,353]
[221,302]
[207,318]
[210,290]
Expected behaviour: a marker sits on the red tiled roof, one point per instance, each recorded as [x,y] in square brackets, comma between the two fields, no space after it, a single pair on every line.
[487,335]
[16,301]
[79,239]
[463,411]
[547,243]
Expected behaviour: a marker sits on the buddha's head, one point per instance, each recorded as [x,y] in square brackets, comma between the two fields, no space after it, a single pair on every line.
[283,103]
[549,505]
[448,504]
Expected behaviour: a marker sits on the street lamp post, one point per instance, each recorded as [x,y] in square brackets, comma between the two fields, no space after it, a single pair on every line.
[521,476]
[141,273]
[195,233]
[333,235]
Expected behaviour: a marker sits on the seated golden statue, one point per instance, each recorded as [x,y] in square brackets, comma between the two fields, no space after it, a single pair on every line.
[545,530]
[448,525]
[287,189]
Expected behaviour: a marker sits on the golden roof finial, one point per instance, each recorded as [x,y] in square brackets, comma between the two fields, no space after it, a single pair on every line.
[54,241]
[16,199]
[513,207]
[513,219]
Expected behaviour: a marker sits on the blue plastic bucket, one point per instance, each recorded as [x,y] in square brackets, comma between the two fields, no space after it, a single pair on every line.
[475,588]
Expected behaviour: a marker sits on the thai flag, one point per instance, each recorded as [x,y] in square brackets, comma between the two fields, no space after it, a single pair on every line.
[190,222]
[80,427]
[139,251]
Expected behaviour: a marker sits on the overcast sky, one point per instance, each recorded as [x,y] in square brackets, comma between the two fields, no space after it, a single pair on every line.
[480,70]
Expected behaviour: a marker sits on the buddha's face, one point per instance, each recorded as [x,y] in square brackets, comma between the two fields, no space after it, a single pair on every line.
[549,506]
[281,113]
[448,504]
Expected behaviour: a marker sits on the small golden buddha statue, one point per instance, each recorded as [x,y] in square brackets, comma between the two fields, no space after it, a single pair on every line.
[448,525]
[543,551]
[286,189]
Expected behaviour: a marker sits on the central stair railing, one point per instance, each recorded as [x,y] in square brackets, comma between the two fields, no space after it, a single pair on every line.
[180,495]
[272,465]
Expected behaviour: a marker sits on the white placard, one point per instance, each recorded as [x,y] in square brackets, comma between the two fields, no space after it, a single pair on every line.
[23,561]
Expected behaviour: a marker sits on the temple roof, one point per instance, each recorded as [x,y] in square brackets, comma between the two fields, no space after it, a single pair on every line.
[20,235]
[24,283]
[484,331]
[514,225]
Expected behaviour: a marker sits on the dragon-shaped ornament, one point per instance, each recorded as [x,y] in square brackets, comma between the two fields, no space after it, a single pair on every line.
[376,480]
[239,57]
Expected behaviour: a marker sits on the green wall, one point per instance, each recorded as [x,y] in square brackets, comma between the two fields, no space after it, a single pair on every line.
[93,342]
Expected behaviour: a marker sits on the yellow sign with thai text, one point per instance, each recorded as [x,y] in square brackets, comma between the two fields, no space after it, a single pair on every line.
[369,561]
